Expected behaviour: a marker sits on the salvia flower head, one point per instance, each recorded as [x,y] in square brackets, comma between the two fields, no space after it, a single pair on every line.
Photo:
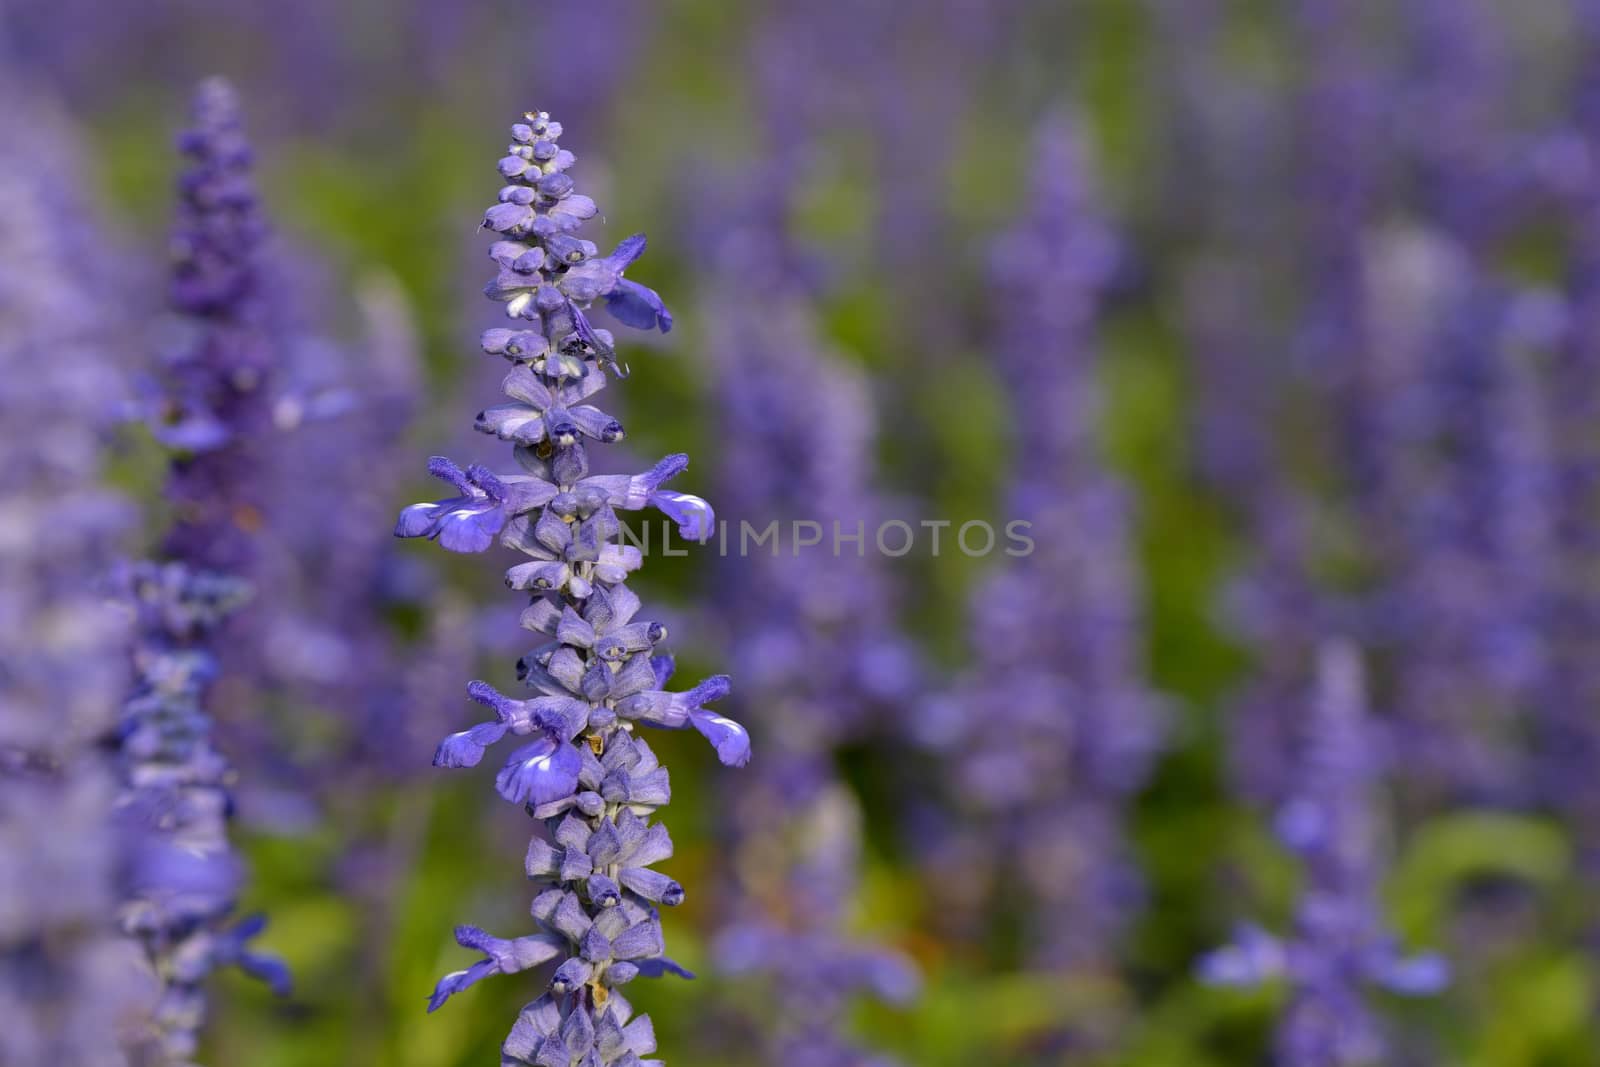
[65,978]
[811,636]
[1058,656]
[326,639]
[180,876]
[214,406]
[1339,946]
[597,670]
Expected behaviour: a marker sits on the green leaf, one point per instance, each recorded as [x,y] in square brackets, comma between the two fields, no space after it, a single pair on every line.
[1448,851]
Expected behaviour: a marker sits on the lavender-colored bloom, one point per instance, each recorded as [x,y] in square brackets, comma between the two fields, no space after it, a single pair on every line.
[1276,609]
[325,636]
[1474,514]
[1339,946]
[810,633]
[1409,347]
[1054,727]
[580,767]
[1471,604]
[216,406]
[1241,380]
[1568,734]
[66,981]
[180,876]
[326,642]
[800,844]
[1456,116]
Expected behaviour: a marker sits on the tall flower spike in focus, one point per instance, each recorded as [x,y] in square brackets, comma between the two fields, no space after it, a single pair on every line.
[596,672]
[1340,944]
[181,876]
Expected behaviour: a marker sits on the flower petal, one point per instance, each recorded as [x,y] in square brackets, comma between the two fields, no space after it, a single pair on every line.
[1254,957]
[731,740]
[456,981]
[416,520]
[695,518]
[471,527]
[1414,976]
[662,965]
[540,772]
[638,306]
[465,749]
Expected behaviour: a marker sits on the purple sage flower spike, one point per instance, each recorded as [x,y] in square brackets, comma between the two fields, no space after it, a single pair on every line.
[810,633]
[66,976]
[1568,733]
[217,407]
[598,671]
[1340,944]
[1469,570]
[331,559]
[1052,731]
[181,874]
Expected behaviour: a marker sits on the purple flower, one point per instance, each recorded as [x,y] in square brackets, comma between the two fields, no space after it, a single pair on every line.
[215,410]
[491,504]
[465,523]
[182,878]
[580,769]
[538,414]
[501,957]
[633,304]
[540,772]
[1056,633]
[678,711]
[181,875]
[810,635]
[64,972]
[1339,944]
[1569,688]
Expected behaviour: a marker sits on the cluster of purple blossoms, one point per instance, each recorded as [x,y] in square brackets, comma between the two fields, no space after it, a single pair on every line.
[1340,945]
[180,876]
[325,640]
[1467,534]
[811,638]
[215,411]
[1402,354]
[1327,131]
[581,770]
[1054,728]
[1567,729]
[66,980]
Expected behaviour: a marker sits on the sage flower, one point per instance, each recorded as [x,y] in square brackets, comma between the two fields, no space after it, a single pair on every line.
[811,635]
[181,876]
[598,671]
[66,979]
[1056,633]
[1339,945]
